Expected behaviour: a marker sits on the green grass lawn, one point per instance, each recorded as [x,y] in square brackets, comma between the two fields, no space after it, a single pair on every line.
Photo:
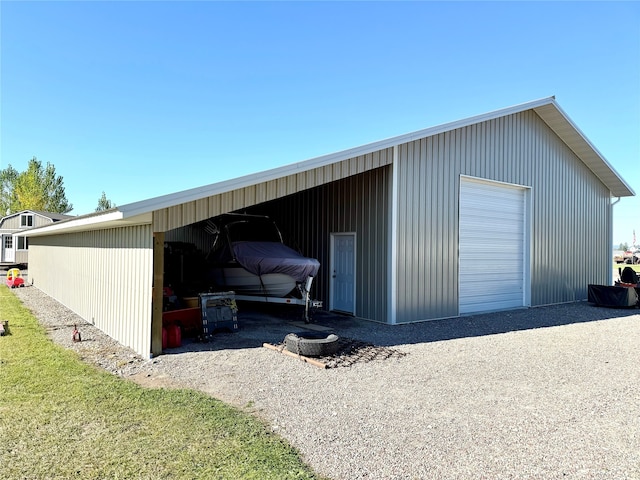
[61,418]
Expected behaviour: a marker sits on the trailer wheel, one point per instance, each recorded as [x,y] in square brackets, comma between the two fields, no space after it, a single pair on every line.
[312,344]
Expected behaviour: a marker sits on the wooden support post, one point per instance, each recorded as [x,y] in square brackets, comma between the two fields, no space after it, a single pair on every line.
[158,284]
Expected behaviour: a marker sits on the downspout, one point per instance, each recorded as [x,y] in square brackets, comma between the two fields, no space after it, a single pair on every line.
[610,270]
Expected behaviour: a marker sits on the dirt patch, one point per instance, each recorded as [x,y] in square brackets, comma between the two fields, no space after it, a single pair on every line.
[152,380]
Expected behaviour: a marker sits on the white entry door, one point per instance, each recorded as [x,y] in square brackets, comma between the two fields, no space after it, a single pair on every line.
[8,249]
[343,272]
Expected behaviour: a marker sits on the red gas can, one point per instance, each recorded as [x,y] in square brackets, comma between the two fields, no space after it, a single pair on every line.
[174,336]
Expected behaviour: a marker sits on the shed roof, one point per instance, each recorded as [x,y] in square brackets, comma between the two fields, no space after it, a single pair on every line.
[56,217]
[546,108]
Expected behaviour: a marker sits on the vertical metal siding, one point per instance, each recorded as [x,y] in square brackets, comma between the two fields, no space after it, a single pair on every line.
[569,212]
[104,276]
[191,234]
[358,203]
[181,215]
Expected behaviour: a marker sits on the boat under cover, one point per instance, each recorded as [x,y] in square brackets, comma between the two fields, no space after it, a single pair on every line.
[261,258]
[251,258]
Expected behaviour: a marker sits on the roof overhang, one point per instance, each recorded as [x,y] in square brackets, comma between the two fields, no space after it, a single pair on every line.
[107,219]
[562,125]
[546,108]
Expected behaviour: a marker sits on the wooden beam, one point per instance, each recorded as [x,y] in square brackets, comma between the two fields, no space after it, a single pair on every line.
[311,361]
[158,284]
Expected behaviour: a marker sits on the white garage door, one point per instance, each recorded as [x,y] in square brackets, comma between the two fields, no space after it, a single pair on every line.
[493,246]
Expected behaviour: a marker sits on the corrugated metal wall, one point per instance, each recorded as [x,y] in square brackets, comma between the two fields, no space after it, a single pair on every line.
[105,276]
[191,212]
[359,204]
[191,234]
[569,212]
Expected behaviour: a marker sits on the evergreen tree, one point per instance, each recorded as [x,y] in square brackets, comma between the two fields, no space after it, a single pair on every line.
[104,203]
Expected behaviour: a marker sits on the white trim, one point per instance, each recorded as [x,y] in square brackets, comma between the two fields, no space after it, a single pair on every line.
[8,250]
[573,137]
[26,217]
[89,222]
[355,266]
[546,108]
[16,238]
[245,181]
[528,235]
[393,254]
[489,181]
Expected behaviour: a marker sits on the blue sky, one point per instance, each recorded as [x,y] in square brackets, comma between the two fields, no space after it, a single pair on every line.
[141,99]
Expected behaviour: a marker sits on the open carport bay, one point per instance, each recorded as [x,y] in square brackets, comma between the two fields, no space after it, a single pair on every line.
[550,392]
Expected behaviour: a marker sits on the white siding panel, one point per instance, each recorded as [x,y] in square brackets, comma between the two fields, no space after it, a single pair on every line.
[104,276]
[492,247]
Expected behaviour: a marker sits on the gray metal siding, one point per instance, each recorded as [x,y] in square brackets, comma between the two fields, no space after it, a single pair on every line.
[191,234]
[357,204]
[190,212]
[569,212]
[105,276]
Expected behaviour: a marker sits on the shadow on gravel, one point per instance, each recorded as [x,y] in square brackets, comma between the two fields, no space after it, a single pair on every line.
[270,323]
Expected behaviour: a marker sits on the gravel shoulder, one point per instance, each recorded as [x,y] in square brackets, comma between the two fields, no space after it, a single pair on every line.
[550,392]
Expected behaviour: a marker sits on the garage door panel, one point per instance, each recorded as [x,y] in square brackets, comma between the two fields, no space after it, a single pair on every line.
[492,246]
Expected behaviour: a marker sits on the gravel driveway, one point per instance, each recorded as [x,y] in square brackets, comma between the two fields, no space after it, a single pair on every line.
[544,393]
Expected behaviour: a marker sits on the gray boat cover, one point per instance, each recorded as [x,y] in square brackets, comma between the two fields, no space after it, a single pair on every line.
[273,257]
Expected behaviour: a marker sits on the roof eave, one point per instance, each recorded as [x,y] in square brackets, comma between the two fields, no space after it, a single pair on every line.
[197,193]
[110,219]
[546,108]
[573,137]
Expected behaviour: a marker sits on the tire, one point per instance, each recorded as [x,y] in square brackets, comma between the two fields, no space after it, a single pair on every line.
[312,344]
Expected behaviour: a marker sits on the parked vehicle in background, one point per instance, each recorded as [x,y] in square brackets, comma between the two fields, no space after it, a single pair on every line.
[631,256]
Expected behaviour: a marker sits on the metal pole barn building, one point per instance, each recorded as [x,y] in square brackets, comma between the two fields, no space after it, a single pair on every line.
[471,216]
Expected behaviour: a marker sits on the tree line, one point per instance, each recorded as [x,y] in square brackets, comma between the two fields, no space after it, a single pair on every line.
[40,188]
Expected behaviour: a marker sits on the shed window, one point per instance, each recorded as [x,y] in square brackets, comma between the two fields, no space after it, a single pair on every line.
[23,243]
[26,220]
[8,241]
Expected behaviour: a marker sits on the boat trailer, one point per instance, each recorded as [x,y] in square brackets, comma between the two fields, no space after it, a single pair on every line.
[305,301]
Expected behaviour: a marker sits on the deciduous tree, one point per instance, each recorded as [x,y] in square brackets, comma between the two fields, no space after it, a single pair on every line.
[37,188]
